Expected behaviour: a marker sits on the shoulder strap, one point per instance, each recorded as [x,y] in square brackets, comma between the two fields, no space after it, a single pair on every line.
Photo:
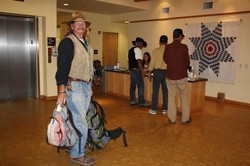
[101,111]
[79,134]
[113,134]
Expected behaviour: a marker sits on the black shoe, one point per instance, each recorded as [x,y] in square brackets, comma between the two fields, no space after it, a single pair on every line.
[188,121]
[133,103]
[144,105]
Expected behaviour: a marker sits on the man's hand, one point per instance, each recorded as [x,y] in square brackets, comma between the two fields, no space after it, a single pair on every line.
[139,61]
[61,98]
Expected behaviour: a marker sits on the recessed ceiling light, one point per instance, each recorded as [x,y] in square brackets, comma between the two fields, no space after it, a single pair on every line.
[65,4]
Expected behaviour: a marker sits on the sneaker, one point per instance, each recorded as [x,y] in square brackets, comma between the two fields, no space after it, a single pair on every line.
[164,112]
[84,160]
[144,105]
[133,103]
[188,121]
[153,112]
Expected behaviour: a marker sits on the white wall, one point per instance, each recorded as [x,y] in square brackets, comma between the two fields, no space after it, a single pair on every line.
[152,29]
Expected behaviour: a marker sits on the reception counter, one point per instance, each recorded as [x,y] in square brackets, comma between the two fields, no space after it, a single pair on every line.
[117,82]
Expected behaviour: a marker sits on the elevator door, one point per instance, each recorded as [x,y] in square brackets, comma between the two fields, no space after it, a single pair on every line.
[17,57]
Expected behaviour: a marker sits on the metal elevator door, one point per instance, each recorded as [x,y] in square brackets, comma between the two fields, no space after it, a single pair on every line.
[18,69]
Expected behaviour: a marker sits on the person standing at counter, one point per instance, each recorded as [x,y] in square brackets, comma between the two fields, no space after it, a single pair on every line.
[158,66]
[177,59]
[136,72]
[146,61]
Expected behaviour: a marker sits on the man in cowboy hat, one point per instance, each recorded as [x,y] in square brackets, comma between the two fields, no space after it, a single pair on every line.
[73,77]
[136,72]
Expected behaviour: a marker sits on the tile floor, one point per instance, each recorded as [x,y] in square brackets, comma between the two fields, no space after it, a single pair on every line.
[219,135]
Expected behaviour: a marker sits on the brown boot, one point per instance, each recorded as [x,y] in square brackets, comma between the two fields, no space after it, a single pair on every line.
[84,160]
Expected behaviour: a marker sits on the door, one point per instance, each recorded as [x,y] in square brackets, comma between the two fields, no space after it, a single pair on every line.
[17,57]
[110,49]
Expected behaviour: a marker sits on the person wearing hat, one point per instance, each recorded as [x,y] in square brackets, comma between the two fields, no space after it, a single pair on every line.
[158,66]
[177,59]
[136,72]
[73,78]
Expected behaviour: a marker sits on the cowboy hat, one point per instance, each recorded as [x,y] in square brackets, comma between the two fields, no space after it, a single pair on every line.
[139,40]
[78,17]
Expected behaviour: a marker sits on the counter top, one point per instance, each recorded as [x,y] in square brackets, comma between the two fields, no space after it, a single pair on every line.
[197,79]
[126,71]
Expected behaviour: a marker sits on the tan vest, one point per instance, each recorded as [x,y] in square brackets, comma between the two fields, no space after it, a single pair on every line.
[82,64]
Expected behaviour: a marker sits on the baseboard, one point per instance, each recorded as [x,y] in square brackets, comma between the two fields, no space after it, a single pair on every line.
[228,101]
[48,98]
[118,95]
[126,97]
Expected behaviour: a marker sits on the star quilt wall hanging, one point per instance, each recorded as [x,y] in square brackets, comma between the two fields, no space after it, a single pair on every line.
[213,49]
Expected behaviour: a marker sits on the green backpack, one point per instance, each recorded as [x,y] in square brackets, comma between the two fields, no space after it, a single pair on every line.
[98,135]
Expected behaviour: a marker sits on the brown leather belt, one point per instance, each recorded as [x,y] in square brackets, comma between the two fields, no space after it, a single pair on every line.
[76,79]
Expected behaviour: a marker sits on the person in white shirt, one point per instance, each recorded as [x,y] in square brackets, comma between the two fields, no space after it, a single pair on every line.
[136,72]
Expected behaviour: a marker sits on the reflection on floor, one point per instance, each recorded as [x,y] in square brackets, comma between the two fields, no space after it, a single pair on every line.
[218,136]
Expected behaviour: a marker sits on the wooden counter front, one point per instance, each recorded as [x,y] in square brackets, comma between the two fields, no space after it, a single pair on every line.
[196,94]
[118,83]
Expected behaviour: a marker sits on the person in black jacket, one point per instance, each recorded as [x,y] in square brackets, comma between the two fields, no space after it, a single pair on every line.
[136,72]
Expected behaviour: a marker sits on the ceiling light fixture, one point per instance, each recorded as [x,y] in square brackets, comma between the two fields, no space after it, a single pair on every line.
[65,4]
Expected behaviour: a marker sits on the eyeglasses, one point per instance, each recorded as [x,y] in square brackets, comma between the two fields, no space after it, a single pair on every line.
[79,24]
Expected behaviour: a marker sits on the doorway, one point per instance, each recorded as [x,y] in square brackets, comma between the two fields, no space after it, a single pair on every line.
[110,49]
[18,57]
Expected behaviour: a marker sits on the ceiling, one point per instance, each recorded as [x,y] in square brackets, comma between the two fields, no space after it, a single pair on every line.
[107,7]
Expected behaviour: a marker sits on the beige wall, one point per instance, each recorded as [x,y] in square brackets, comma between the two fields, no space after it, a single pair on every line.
[46,12]
[151,30]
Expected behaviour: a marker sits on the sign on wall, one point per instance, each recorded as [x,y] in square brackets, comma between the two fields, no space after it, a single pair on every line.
[51,41]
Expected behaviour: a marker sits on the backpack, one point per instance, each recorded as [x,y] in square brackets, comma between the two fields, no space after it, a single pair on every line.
[98,135]
[60,131]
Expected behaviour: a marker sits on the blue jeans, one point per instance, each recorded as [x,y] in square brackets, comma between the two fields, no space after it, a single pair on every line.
[136,79]
[78,100]
[159,79]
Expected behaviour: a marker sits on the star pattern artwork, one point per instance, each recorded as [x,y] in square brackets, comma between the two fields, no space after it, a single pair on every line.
[210,49]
